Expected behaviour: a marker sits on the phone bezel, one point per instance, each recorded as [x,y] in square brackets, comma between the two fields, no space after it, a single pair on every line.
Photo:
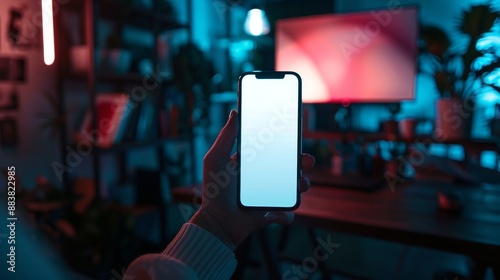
[271,75]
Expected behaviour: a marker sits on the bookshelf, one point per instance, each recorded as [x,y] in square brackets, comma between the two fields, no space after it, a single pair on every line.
[119,14]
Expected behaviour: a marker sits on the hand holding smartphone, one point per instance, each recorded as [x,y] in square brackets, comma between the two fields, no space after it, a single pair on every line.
[269,140]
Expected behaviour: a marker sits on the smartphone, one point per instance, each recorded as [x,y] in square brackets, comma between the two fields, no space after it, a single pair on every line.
[269,140]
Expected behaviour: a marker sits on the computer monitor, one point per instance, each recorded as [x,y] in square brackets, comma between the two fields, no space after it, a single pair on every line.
[361,57]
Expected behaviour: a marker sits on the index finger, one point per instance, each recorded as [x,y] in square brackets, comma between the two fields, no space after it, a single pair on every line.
[306,161]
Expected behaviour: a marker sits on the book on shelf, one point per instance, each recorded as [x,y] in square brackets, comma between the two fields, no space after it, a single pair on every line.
[163,121]
[131,123]
[126,122]
[113,112]
[146,129]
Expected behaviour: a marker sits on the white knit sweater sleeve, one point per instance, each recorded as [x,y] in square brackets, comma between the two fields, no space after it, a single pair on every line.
[193,254]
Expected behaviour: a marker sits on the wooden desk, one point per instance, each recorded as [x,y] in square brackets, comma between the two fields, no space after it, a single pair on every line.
[410,215]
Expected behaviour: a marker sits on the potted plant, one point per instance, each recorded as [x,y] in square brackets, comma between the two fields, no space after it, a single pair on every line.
[193,73]
[460,75]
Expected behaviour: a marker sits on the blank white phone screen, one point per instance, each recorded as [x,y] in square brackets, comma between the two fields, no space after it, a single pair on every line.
[269,141]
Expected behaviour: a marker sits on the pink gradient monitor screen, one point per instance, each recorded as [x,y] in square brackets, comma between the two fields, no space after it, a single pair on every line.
[359,57]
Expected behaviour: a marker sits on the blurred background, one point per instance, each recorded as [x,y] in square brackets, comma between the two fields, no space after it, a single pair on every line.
[107,120]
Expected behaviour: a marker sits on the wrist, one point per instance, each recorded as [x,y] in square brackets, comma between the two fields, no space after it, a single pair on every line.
[206,221]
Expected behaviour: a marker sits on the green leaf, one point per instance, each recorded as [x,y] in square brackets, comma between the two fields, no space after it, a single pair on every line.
[488,68]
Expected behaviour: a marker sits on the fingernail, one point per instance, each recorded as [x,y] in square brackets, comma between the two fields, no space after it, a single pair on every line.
[232,113]
[271,217]
[308,182]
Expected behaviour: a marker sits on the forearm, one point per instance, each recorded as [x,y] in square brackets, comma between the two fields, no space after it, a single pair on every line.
[201,250]
[194,253]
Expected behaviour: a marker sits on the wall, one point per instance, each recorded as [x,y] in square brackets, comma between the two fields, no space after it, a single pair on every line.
[37,148]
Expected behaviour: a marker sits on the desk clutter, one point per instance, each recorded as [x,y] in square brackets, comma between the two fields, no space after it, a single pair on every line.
[322,176]
[365,161]
[358,165]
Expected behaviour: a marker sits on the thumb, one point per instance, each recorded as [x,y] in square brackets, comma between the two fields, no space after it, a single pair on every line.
[223,145]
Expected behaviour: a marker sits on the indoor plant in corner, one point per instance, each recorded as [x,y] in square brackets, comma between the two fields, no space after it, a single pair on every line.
[460,75]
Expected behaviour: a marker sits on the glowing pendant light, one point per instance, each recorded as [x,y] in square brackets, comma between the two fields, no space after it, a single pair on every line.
[256,23]
[48,32]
